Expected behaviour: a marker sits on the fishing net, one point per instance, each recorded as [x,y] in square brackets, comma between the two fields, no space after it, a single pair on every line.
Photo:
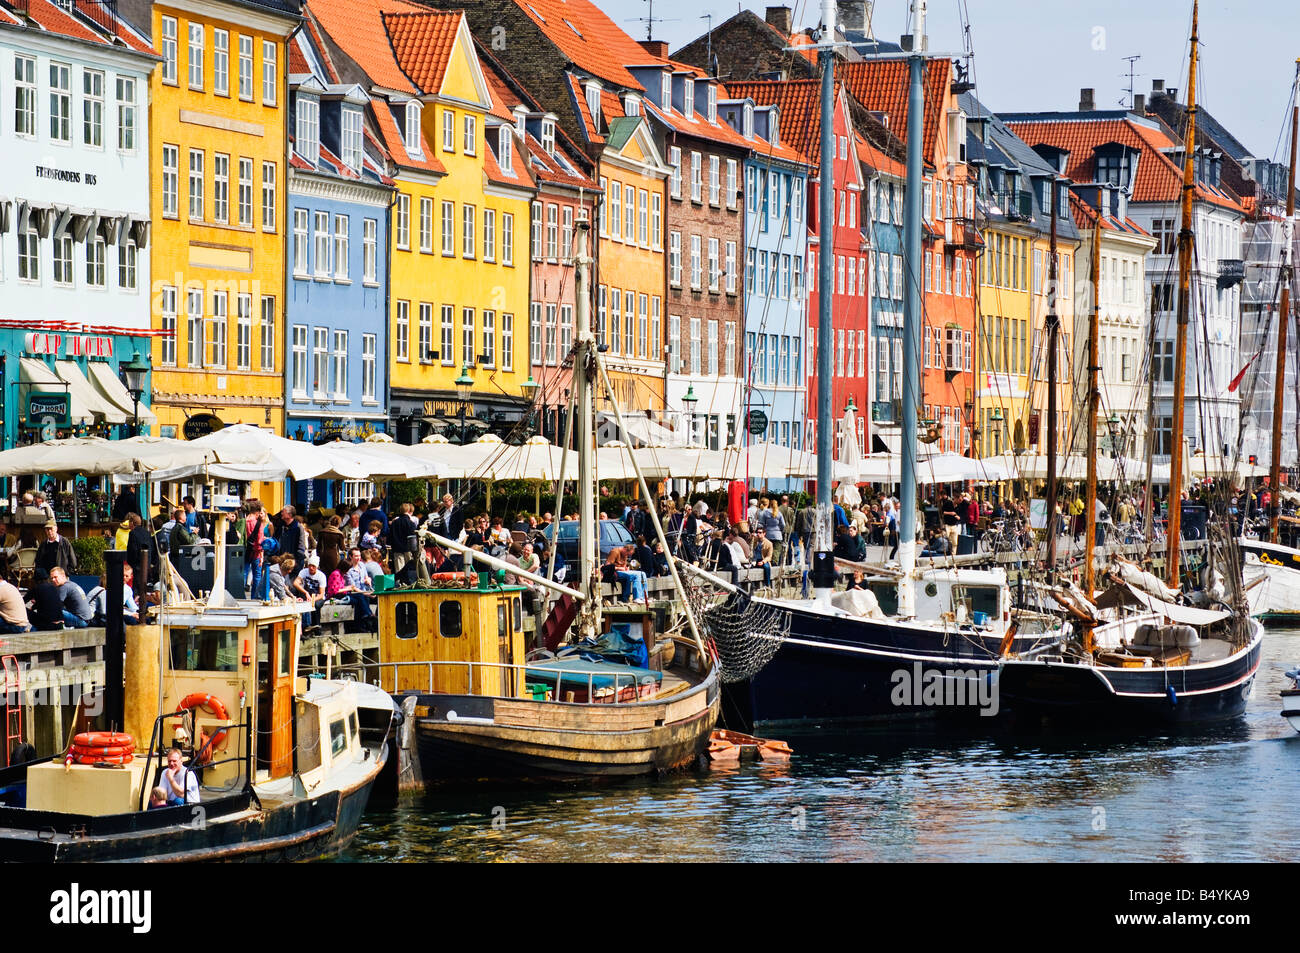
[744,633]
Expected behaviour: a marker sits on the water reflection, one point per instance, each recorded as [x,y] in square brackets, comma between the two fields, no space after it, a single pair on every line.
[898,794]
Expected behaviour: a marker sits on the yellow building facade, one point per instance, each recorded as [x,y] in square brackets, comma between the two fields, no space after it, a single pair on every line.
[218,140]
[1003,361]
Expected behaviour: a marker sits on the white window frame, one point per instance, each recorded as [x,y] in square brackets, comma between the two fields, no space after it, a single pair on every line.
[194,55]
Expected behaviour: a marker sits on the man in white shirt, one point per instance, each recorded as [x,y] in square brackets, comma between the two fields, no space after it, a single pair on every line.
[178,781]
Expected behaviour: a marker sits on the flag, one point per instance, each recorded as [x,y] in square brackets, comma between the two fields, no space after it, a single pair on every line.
[1236,381]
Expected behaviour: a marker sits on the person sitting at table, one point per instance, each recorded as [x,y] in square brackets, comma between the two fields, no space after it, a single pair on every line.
[342,586]
[310,585]
[77,610]
[44,607]
[13,614]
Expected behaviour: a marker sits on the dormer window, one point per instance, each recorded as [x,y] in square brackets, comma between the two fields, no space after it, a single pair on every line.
[307,128]
[505,149]
[773,128]
[713,102]
[521,120]
[548,136]
[747,130]
[1115,164]
[412,138]
[631,104]
[592,90]
[688,99]
[666,91]
[352,138]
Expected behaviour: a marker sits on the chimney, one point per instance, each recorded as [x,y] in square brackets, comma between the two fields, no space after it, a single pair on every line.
[1086,100]
[782,18]
[851,14]
[1172,93]
[1139,104]
[1157,86]
[656,48]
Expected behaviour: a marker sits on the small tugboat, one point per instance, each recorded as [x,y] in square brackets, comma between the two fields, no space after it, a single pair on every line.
[284,765]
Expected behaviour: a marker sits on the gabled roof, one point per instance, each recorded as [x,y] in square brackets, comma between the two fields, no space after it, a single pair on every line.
[882,86]
[591,40]
[357,28]
[422,43]
[1159,179]
[86,21]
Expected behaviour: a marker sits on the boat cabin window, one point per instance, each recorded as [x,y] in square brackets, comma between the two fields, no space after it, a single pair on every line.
[978,599]
[205,650]
[502,629]
[352,725]
[519,612]
[286,652]
[449,619]
[338,738]
[886,593]
[308,736]
[406,618]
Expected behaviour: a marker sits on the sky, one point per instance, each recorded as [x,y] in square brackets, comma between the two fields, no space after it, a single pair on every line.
[1038,54]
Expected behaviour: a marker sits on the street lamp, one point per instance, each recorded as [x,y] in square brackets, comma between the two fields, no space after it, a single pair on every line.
[851,407]
[133,374]
[464,386]
[1113,425]
[689,400]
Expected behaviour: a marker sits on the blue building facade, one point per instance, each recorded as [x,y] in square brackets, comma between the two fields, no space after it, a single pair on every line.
[882,227]
[336,371]
[775,288]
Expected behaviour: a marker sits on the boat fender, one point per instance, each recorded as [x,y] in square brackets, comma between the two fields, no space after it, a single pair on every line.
[1173,696]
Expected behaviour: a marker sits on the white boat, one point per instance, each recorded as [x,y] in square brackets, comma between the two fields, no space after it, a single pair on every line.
[1291,699]
[1271,575]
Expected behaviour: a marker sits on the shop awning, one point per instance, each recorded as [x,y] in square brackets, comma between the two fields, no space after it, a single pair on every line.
[87,403]
[111,388]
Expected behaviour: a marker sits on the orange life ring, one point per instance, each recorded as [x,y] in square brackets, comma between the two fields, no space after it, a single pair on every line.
[103,739]
[215,707]
[89,751]
[75,758]
[446,577]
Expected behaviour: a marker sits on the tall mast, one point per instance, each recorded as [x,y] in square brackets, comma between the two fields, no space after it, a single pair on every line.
[1094,398]
[1284,319]
[1053,349]
[584,394]
[823,562]
[1184,313]
[911,310]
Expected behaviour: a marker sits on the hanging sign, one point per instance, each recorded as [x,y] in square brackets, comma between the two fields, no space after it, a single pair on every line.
[757,423]
[49,407]
[200,425]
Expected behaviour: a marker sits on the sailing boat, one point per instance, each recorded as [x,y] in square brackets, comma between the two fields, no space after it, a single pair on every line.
[889,651]
[1140,658]
[1270,570]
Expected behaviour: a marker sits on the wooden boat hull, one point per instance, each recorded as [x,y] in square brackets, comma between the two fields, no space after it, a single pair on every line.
[471,738]
[233,830]
[1074,694]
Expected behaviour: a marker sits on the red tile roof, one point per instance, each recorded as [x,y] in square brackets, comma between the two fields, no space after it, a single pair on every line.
[53,19]
[1159,179]
[318,44]
[393,143]
[422,43]
[584,111]
[1085,215]
[881,86]
[297,59]
[357,26]
[590,39]
[873,158]
[799,102]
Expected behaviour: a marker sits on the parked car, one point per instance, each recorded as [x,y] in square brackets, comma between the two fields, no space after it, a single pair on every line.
[612,534]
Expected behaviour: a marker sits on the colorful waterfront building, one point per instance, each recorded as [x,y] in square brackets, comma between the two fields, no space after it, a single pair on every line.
[459,280]
[775,243]
[336,375]
[576,63]
[74,220]
[882,228]
[565,197]
[217,136]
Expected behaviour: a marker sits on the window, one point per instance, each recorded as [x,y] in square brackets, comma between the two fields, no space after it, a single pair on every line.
[629,326]
[535,332]
[196,56]
[508,339]
[467,231]
[505,150]
[695,346]
[92,108]
[471,135]
[221,188]
[488,353]
[674,344]
[729,366]
[552,230]
[675,161]
[675,258]
[268,332]
[96,252]
[127,255]
[642,218]
[467,336]
[29,255]
[167,305]
[196,185]
[426,225]
[731,183]
[340,365]
[715,183]
[447,351]
[300,265]
[489,234]
[697,180]
[713,265]
[221,62]
[688,99]
[322,236]
[307,128]
[61,103]
[170,174]
[169,50]
[300,360]
[320,359]
[63,259]
[194,325]
[449,623]
[402,335]
[731,268]
[695,262]
[425,343]
[713,348]
[243,332]
[270,75]
[368,367]
[615,207]
[507,238]
[403,221]
[245,68]
[218,338]
[353,150]
[341,247]
[537,230]
[615,318]
[268,196]
[448,130]
[656,222]
[629,214]
[246,192]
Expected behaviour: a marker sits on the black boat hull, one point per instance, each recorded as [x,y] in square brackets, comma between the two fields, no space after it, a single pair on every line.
[840,671]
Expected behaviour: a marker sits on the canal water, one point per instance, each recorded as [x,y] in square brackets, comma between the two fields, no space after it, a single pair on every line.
[1222,794]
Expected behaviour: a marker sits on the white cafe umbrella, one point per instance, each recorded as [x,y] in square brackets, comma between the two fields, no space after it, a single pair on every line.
[281,458]
[94,456]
